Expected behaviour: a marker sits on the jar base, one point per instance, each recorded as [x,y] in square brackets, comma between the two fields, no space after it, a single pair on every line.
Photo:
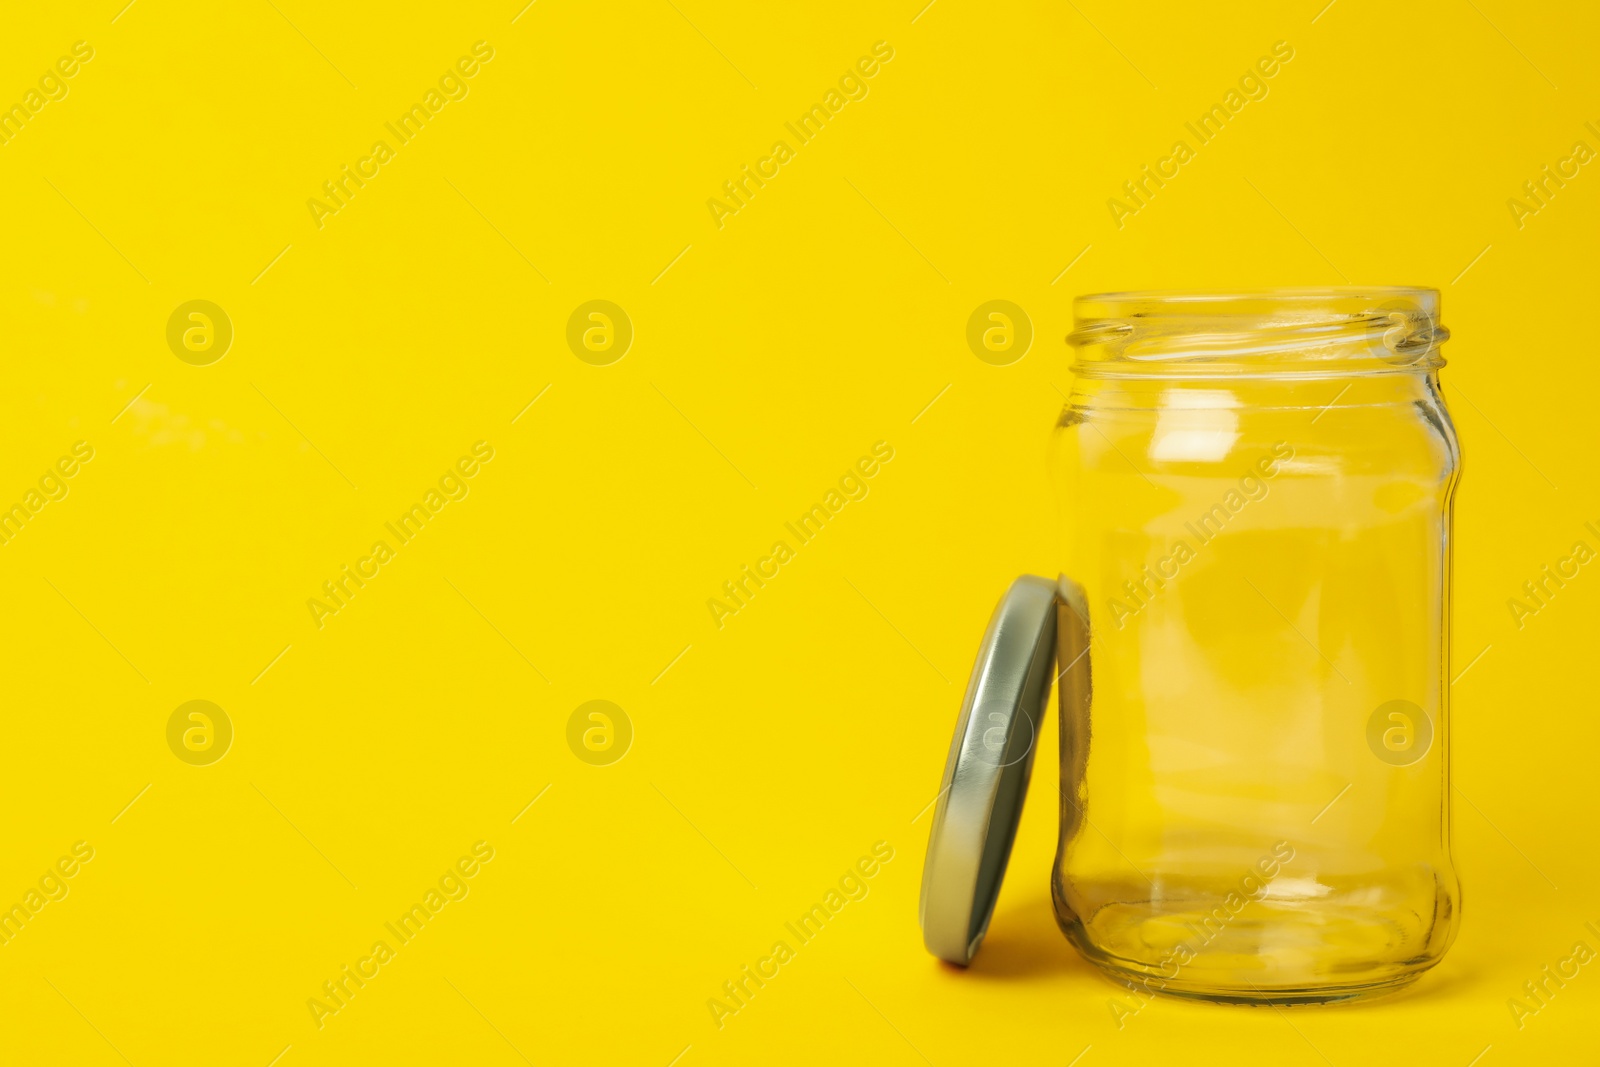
[1257,963]
[1139,983]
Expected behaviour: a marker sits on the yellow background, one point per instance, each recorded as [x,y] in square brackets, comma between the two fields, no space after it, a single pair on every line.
[768,356]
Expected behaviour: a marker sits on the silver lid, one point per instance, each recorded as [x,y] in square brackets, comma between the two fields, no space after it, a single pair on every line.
[986,775]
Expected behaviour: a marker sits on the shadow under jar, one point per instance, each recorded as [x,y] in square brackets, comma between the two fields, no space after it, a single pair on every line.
[1252,636]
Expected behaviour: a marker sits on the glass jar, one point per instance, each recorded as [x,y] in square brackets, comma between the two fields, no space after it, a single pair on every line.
[1252,640]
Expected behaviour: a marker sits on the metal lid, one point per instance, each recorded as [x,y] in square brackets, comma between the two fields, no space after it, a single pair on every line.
[986,775]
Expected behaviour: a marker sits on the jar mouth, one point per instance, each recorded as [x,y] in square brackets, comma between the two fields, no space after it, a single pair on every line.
[1306,332]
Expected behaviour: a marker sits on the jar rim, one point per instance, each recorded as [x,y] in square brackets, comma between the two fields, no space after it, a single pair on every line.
[1320,330]
[1284,294]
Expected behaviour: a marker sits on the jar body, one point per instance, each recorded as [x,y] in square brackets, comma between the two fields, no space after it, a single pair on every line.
[1254,681]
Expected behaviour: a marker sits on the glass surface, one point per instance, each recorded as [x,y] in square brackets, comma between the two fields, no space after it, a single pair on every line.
[1254,635]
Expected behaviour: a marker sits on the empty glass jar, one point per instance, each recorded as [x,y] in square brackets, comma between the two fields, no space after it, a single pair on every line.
[1251,645]
[1253,640]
